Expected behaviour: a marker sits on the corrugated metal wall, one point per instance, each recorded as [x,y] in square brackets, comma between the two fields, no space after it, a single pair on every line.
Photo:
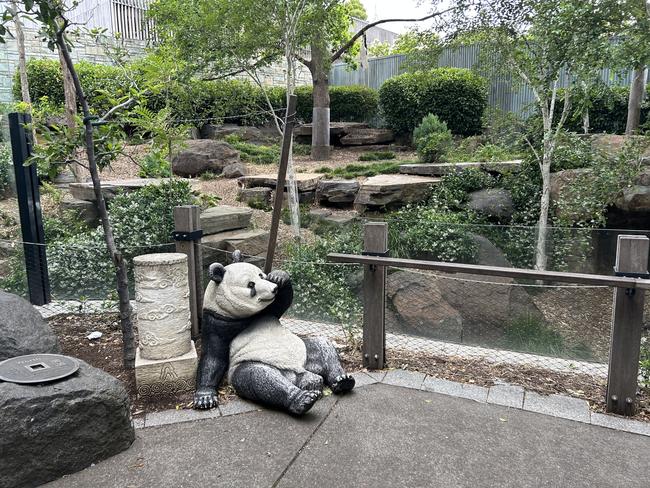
[505,92]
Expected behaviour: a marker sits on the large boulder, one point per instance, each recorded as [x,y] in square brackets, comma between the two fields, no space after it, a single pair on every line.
[492,202]
[367,137]
[22,329]
[202,156]
[393,190]
[234,170]
[61,427]
[337,192]
[634,199]
[613,144]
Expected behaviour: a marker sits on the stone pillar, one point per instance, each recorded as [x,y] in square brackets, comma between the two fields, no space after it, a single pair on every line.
[166,359]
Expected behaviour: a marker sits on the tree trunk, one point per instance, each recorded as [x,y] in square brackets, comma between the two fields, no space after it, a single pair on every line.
[541,257]
[126,322]
[320,135]
[22,60]
[637,88]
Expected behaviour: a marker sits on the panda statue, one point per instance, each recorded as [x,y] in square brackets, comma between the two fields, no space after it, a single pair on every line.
[266,363]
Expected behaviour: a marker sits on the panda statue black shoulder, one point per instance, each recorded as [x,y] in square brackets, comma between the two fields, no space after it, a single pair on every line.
[242,334]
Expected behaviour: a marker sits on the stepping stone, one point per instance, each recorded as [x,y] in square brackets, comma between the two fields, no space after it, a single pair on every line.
[110,188]
[441,169]
[393,190]
[367,137]
[255,197]
[224,218]
[216,247]
[337,191]
[304,181]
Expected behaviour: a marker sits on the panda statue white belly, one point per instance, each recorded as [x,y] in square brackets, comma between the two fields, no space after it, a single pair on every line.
[267,341]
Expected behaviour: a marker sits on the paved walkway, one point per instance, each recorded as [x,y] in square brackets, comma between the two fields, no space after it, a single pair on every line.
[381,435]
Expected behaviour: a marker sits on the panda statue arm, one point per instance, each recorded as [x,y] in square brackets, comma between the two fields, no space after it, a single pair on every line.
[284,297]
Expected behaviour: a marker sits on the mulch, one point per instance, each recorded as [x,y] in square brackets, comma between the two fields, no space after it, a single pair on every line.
[106,354]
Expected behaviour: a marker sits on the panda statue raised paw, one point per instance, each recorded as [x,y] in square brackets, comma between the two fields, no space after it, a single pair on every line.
[266,363]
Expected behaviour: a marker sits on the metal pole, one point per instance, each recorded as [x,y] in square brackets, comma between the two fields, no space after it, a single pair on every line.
[29,206]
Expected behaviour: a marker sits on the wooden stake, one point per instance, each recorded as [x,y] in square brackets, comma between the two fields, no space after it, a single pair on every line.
[627,322]
[187,219]
[375,241]
[289,122]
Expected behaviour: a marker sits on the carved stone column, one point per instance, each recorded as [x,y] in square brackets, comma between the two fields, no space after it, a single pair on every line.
[166,358]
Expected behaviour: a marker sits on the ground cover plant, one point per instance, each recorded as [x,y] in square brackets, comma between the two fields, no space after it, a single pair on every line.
[377,156]
[352,171]
[5,167]
[255,154]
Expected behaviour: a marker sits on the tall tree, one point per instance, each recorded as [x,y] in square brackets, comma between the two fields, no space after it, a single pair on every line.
[51,15]
[357,10]
[224,37]
[548,45]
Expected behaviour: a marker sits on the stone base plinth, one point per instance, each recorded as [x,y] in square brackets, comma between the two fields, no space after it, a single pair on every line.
[165,376]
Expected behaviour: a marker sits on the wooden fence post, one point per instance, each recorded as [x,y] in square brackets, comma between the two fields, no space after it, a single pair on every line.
[375,243]
[187,234]
[627,322]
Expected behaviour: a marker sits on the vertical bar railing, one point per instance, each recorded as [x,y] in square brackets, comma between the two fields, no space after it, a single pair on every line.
[29,207]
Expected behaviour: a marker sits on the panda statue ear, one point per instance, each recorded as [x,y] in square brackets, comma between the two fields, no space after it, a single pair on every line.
[236,256]
[216,272]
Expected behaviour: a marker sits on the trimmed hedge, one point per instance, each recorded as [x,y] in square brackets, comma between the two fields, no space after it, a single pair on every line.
[457,96]
[347,103]
[45,80]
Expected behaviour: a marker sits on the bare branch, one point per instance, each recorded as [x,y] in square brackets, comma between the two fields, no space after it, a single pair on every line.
[337,54]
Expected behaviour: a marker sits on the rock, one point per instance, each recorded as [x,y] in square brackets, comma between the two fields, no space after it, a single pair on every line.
[337,192]
[86,210]
[364,137]
[110,188]
[393,190]
[64,178]
[223,218]
[643,179]
[319,213]
[612,144]
[304,197]
[416,306]
[337,129]
[204,155]
[23,330]
[216,247]
[562,182]
[255,197]
[249,134]
[494,202]
[61,427]
[322,220]
[304,181]
[440,169]
[234,170]
[634,199]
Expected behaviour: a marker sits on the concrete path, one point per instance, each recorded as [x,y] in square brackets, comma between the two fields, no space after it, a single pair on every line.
[378,436]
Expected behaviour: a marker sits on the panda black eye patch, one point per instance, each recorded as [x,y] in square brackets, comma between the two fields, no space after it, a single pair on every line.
[251,285]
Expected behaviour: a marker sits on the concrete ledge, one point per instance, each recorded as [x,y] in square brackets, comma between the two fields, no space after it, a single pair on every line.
[406,379]
[620,423]
[362,379]
[460,390]
[167,417]
[558,406]
[506,396]
[238,406]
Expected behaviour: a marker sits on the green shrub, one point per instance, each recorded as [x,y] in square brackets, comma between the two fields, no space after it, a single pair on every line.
[45,81]
[457,96]
[454,188]
[377,156]
[347,103]
[142,221]
[5,167]
[644,362]
[432,139]
[424,232]
[475,149]
[572,152]
[355,170]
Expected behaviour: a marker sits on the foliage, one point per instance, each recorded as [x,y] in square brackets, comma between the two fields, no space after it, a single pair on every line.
[644,362]
[356,9]
[432,139]
[347,103]
[529,333]
[453,189]
[377,156]
[352,171]
[467,151]
[379,49]
[252,153]
[457,96]
[46,82]
[142,220]
[421,47]
[5,167]
[323,291]
[425,232]
[572,152]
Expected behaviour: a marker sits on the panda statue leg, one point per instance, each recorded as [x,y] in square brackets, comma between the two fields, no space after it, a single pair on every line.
[267,385]
[323,360]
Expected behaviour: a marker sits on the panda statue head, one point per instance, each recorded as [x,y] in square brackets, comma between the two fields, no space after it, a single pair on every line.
[238,290]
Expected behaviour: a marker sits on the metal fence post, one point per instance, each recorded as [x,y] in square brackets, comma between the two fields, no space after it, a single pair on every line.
[375,243]
[187,234]
[627,322]
[29,207]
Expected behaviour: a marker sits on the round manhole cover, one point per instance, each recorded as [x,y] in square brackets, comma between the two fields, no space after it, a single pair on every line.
[37,368]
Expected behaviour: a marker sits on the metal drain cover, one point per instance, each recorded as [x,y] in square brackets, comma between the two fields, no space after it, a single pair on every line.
[37,368]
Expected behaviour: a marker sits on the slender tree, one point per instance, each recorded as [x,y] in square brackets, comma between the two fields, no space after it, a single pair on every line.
[51,16]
